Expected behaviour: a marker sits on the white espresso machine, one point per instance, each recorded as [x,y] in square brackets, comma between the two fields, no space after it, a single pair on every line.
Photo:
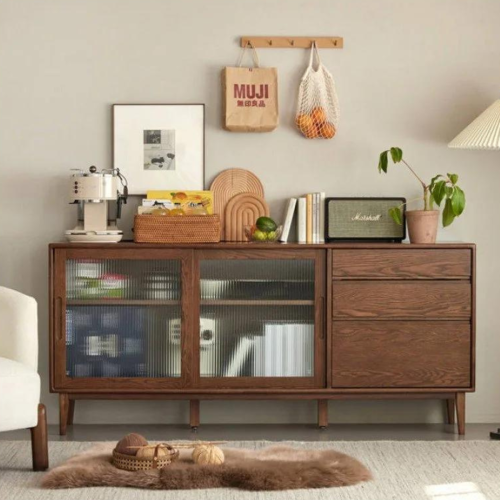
[99,203]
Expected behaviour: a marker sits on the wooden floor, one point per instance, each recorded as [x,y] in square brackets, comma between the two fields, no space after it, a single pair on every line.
[233,432]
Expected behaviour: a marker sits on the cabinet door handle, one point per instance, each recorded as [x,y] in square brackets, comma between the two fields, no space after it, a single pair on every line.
[322,316]
[58,318]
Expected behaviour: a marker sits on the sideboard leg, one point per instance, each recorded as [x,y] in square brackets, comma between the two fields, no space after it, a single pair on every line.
[63,413]
[323,413]
[71,411]
[194,413]
[460,402]
[450,411]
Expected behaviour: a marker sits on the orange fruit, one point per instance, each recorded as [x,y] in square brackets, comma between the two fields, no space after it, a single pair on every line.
[311,133]
[306,125]
[318,115]
[176,212]
[327,130]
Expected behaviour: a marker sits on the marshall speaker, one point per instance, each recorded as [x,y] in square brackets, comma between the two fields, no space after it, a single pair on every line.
[363,219]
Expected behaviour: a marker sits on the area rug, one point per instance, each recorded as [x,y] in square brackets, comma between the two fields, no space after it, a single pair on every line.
[402,470]
[275,467]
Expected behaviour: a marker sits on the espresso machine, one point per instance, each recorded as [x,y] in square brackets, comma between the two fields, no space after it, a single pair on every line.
[99,201]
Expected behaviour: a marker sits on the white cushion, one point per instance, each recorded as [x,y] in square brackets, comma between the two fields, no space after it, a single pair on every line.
[19,395]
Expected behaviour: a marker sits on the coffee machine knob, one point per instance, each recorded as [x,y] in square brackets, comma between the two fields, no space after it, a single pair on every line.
[93,169]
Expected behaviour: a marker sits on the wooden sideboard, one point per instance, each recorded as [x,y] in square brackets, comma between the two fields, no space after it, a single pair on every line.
[262,321]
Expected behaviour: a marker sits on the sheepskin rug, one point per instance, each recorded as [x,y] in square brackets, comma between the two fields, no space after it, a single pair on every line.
[271,468]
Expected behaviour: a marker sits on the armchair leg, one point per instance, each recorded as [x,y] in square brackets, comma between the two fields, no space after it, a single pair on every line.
[39,441]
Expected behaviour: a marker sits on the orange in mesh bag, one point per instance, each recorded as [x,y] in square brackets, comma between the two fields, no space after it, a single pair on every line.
[317,106]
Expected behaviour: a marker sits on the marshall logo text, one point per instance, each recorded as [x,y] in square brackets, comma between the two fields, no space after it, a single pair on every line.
[359,217]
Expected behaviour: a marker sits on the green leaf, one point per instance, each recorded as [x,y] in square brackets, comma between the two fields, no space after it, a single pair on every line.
[434,179]
[448,215]
[448,191]
[453,178]
[438,191]
[396,154]
[396,214]
[382,163]
[458,201]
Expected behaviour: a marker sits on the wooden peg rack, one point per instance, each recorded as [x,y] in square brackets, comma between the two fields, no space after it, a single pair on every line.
[292,42]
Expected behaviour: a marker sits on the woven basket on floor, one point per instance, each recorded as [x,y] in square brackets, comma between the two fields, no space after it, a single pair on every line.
[132,463]
[179,229]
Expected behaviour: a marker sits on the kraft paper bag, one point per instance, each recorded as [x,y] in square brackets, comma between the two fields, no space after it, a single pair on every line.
[250,97]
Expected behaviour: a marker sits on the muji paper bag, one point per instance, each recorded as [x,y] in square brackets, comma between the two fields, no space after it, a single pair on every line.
[250,97]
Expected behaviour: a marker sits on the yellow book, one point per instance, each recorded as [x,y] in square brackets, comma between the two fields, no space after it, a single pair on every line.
[192,202]
[309,218]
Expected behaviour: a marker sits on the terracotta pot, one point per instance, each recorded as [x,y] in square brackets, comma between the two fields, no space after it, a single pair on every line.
[422,225]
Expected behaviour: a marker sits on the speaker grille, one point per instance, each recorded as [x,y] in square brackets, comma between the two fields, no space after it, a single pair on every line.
[366,218]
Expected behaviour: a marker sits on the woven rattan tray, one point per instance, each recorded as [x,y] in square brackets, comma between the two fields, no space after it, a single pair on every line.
[179,229]
[132,463]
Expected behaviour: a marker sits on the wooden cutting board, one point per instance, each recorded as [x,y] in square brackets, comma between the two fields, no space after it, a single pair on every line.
[230,183]
[243,210]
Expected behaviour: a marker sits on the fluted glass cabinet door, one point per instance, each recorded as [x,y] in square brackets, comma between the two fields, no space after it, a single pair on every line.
[121,317]
[260,318]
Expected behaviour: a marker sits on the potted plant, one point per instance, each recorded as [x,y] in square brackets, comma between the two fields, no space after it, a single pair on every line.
[423,224]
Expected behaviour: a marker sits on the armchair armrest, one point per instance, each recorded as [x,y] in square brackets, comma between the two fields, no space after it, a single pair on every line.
[18,327]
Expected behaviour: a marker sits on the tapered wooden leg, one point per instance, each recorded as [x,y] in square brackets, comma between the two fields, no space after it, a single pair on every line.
[71,411]
[63,413]
[460,403]
[450,411]
[39,442]
[194,413]
[323,413]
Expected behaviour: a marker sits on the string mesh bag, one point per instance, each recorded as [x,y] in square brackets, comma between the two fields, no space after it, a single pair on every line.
[317,105]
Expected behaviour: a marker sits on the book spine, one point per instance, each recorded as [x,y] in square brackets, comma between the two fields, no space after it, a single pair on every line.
[301,221]
[309,224]
[287,224]
[322,197]
[314,207]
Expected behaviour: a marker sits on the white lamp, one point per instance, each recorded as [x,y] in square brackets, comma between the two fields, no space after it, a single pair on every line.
[482,133]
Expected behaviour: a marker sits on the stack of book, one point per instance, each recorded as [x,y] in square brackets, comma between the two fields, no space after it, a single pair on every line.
[310,210]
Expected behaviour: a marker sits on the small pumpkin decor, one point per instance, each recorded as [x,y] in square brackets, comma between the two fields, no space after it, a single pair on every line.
[134,453]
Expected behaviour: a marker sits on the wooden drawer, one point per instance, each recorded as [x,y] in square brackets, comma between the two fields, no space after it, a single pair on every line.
[371,354]
[401,299]
[401,263]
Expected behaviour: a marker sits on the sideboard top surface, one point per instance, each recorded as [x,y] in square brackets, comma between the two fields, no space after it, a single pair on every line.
[262,246]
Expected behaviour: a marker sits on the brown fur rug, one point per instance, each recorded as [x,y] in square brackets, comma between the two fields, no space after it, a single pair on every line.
[272,468]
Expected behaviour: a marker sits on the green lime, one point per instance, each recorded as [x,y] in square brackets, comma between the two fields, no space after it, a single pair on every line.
[259,235]
[266,224]
[271,235]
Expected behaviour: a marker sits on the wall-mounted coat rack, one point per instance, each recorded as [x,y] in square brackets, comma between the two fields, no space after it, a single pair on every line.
[293,42]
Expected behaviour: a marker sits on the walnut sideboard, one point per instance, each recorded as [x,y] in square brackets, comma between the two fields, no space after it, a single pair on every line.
[262,321]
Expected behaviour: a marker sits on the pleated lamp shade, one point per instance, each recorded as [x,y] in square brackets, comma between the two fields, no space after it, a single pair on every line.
[482,133]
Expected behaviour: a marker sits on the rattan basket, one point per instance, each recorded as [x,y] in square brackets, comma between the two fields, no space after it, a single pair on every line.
[187,229]
[132,463]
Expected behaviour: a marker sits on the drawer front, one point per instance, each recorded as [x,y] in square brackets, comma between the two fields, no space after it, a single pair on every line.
[401,263]
[401,299]
[378,354]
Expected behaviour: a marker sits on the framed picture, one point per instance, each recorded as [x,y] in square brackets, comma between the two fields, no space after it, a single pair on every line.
[160,146]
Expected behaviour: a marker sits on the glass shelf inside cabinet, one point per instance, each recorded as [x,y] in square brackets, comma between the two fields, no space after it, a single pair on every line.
[257,318]
[111,328]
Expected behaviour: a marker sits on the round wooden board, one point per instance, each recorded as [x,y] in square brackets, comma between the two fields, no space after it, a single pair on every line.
[230,183]
[243,210]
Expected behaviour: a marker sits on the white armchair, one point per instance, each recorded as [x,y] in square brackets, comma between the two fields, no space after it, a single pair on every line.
[20,406]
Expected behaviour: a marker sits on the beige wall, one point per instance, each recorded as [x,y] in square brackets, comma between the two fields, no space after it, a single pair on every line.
[412,74]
